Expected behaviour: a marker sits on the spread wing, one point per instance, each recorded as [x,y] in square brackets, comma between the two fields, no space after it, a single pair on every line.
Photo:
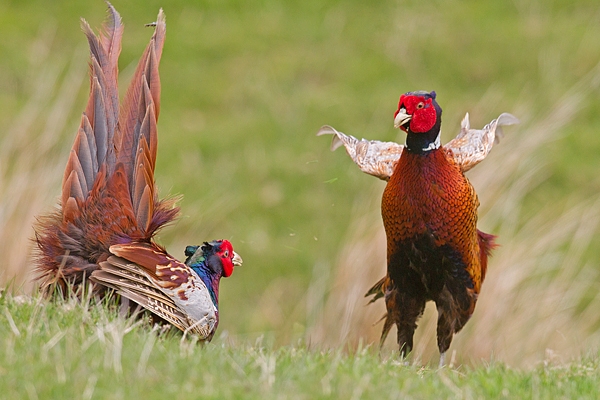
[471,146]
[372,156]
[377,158]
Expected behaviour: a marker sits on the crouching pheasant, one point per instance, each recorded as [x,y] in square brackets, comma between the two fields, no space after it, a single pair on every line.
[429,209]
[110,210]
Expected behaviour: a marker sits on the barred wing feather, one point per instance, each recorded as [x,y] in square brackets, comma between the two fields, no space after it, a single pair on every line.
[372,156]
[471,146]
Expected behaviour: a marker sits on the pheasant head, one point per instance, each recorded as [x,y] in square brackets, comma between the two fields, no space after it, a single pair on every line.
[420,116]
[211,261]
[217,257]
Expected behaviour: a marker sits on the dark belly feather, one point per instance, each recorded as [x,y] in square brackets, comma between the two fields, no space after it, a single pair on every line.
[429,211]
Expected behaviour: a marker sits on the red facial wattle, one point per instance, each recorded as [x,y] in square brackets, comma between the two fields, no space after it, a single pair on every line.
[422,111]
[227,268]
[226,253]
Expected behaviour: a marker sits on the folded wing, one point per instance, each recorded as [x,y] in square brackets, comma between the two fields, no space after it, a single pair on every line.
[147,275]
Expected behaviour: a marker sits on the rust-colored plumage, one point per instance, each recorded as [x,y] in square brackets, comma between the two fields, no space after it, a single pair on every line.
[429,210]
[429,213]
[108,191]
[110,210]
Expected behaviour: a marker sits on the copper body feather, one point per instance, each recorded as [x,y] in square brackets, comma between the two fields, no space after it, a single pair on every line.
[429,212]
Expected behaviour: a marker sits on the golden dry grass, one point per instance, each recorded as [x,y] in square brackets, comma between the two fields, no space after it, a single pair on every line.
[32,154]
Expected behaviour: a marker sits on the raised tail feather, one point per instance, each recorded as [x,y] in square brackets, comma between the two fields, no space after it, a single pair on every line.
[108,191]
[92,149]
[137,141]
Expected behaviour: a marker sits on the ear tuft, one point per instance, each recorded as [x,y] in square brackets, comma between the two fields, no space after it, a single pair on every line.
[207,247]
[190,250]
[433,94]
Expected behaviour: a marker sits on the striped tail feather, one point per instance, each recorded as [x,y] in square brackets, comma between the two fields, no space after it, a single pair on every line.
[137,140]
[92,149]
[108,190]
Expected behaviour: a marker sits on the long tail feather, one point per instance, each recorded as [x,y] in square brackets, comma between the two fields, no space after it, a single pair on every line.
[137,139]
[97,208]
[103,107]
[142,94]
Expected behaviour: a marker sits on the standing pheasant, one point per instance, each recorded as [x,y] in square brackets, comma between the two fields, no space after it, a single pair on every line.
[429,209]
[110,211]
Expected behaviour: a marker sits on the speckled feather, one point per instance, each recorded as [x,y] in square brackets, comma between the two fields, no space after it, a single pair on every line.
[161,284]
[372,156]
[471,146]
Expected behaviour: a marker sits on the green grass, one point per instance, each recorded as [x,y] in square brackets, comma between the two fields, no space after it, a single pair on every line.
[69,350]
[245,86]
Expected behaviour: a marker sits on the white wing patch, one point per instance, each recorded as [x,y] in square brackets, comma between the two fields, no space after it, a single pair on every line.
[372,156]
[471,146]
[377,158]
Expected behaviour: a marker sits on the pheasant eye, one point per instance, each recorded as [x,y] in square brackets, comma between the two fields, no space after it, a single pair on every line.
[226,253]
[420,105]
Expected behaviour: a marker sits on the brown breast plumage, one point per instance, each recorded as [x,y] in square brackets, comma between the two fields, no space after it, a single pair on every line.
[428,195]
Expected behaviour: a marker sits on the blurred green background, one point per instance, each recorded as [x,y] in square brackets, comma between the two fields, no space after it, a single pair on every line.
[247,84]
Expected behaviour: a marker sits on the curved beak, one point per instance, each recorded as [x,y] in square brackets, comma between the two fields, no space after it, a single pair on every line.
[402,118]
[237,260]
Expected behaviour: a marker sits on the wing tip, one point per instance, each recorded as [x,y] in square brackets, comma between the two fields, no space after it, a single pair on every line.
[326,130]
[336,142]
[507,119]
[465,124]
[504,119]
